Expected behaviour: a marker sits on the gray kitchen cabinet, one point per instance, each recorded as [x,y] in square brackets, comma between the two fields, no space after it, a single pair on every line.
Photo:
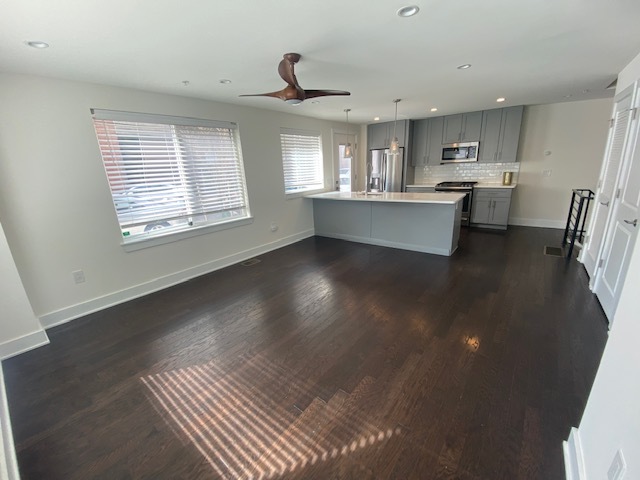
[420,136]
[510,133]
[434,143]
[490,207]
[490,135]
[500,134]
[463,127]
[380,135]
[427,141]
[377,135]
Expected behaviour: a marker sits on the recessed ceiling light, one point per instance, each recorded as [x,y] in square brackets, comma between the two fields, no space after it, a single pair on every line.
[408,11]
[225,81]
[376,118]
[464,66]
[314,101]
[500,100]
[37,44]
[568,96]
[434,109]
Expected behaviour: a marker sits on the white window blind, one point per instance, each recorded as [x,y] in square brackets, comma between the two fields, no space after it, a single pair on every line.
[170,173]
[301,160]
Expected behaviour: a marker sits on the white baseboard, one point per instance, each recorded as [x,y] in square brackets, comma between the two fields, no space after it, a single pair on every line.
[8,461]
[23,344]
[538,222]
[79,310]
[573,460]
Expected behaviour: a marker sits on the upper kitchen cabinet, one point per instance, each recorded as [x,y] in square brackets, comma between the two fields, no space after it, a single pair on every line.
[500,134]
[427,141]
[463,127]
[419,150]
[379,135]
[434,144]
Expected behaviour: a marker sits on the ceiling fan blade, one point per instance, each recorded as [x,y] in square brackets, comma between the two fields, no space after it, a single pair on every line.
[324,93]
[287,93]
[279,94]
[293,93]
[285,68]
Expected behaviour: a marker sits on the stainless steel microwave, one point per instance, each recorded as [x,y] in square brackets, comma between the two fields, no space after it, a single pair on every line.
[460,152]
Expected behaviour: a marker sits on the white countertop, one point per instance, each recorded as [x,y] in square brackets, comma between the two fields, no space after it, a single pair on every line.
[399,197]
[477,185]
[494,185]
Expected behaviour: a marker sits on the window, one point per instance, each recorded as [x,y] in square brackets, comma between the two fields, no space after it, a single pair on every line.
[170,174]
[301,160]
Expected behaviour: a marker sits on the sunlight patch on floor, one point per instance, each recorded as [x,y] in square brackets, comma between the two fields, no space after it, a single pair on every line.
[243,430]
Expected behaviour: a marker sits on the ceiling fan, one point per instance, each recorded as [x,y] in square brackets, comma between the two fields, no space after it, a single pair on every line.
[293,93]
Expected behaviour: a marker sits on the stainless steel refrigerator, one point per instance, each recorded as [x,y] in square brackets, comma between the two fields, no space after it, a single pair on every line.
[384,171]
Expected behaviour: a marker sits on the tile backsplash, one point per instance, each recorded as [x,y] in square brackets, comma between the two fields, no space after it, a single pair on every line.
[481,172]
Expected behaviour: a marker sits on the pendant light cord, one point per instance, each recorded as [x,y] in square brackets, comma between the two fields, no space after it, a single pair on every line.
[395,122]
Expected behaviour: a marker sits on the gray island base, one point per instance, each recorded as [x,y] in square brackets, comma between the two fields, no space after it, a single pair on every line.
[422,222]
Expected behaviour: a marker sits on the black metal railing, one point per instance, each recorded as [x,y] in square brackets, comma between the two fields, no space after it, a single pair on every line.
[578,209]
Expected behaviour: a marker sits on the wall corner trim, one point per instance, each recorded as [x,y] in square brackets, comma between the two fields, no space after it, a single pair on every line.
[23,344]
[72,312]
[8,461]
[573,459]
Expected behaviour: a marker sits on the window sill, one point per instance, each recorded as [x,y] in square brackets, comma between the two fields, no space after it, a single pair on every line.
[141,243]
[304,193]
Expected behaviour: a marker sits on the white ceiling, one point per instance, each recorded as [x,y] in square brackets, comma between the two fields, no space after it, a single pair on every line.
[529,51]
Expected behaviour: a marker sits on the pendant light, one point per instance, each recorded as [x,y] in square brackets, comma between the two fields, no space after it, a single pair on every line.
[348,151]
[394,148]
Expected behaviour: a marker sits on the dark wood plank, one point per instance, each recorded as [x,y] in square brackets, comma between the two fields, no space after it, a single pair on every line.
[327,359]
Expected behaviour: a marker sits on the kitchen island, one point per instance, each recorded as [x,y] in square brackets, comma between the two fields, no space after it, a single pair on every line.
[423,222]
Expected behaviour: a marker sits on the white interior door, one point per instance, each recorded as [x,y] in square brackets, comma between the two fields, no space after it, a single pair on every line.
[624,228]
[345,171]
[607,186]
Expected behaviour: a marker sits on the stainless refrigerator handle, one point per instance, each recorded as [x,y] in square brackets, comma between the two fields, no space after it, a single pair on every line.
[383,173]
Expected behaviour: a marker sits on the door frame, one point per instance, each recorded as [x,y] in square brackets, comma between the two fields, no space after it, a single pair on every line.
[610,294]
[592,264]
[336,160]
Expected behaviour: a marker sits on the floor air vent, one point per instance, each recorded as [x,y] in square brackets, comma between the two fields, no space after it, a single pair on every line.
[250,262]
[553,251]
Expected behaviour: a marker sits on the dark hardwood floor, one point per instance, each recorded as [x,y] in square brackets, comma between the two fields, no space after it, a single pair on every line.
[326,360]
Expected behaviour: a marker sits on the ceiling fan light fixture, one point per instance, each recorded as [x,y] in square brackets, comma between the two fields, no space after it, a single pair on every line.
[293,101]
[408,11]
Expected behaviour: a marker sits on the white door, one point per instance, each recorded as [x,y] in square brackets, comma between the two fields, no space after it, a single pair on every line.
[607,184]
[345,173]
[624,227]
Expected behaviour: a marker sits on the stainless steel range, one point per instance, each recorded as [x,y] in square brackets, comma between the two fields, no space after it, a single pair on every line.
[460,187]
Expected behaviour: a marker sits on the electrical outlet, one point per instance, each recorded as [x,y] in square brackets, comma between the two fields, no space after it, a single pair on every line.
[618,467]
[274,227]
[546,173]
[78,276]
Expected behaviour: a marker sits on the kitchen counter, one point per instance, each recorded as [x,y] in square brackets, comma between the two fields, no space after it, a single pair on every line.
[422,222]
[477,185]
[494,185]
[401,197]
